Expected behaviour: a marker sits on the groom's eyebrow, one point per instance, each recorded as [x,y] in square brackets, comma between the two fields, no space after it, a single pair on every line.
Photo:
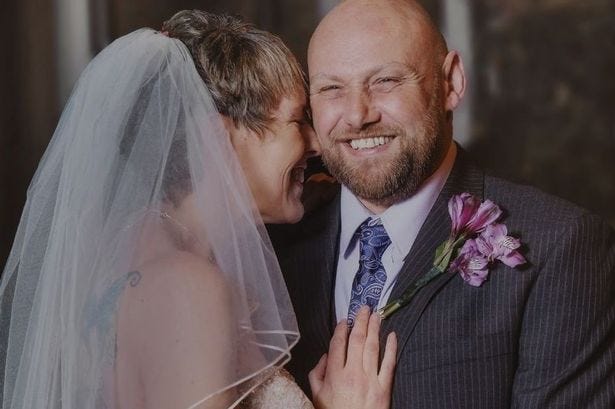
[323,76]
[411,69]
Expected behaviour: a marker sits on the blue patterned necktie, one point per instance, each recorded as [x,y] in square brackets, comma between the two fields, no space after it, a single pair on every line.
[369,280]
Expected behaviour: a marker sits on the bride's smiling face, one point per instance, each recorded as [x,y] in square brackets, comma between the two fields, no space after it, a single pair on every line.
[274,161]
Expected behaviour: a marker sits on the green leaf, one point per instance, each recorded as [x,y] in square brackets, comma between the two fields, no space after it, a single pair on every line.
[439,252]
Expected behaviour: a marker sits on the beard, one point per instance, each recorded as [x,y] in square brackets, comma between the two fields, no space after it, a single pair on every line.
[386,182]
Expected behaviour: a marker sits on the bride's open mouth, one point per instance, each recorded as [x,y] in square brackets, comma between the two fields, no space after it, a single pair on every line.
[297,174]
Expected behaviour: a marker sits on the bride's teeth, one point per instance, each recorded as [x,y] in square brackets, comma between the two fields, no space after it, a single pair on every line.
[368,143]
[299,175]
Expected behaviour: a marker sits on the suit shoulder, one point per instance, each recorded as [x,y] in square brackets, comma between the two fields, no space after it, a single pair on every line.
[545,222]
[521,201]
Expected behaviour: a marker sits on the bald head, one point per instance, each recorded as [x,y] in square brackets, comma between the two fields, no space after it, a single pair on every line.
[403,20]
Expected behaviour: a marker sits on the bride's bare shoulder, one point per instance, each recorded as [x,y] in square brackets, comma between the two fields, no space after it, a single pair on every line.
[178,316]
[170,285]
[180,271]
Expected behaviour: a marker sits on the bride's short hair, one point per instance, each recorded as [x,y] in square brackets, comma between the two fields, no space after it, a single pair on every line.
[248,71]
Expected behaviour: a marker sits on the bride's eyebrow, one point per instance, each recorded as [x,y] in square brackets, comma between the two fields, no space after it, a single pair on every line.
[297,112]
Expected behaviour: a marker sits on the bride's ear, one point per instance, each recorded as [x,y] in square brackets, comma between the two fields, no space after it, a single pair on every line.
[229,125]
[239,134]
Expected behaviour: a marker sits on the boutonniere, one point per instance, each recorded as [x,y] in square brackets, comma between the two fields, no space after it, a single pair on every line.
[475,243]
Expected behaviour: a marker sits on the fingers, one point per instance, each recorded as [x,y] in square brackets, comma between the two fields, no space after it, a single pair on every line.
[337,347]
[322,177]
[356,341]
[317,375]
[318,190]
[371,350]
[387,369]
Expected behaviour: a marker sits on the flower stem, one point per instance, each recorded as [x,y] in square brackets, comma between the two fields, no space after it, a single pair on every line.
[444,253]
[388,310]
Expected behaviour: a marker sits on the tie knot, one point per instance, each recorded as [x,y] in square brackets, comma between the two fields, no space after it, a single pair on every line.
[373,237]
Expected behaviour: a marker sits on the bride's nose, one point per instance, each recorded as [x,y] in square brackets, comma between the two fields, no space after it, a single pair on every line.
[312,146]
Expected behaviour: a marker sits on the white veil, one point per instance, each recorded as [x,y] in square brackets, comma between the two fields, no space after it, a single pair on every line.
[139,133]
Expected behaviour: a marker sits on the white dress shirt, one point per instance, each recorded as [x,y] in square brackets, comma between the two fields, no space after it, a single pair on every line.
[401,221]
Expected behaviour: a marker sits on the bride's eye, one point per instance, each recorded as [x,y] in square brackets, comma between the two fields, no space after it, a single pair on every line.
[308,116]
[300,121]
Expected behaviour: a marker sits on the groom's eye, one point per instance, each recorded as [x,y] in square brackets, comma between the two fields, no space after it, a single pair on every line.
[387,79]
[329,88]
[386,83]
[329,91]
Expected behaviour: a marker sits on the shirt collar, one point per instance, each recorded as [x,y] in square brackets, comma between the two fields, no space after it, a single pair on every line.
[401,221]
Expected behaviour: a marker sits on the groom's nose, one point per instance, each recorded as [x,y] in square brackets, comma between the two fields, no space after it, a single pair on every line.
[359,110]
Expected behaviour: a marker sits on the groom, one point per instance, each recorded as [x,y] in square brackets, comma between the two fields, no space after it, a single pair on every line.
[383,88]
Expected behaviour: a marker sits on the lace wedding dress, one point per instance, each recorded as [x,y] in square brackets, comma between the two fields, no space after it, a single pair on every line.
[279,392]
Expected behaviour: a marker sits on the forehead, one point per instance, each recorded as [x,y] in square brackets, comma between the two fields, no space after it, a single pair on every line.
[291,105]
[370,37]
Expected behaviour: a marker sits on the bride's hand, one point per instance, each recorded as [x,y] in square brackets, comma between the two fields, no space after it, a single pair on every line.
[318,190]
[348,377]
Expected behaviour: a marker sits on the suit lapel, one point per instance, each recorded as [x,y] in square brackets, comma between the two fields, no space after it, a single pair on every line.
[464,177]
[322,231]
[331,241]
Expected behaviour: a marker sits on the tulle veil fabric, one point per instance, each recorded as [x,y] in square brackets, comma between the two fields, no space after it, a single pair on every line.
[139,120]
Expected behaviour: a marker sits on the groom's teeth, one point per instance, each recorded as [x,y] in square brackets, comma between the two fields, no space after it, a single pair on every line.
[368,143]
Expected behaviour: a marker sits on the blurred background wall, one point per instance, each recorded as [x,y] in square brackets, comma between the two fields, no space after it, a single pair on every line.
[541,106]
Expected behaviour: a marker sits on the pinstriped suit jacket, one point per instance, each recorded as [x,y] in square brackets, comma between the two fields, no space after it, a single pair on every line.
[538,337]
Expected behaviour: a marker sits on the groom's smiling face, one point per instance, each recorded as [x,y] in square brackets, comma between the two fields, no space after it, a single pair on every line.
[377,99]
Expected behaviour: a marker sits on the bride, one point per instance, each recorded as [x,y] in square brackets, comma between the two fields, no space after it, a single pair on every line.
[141,275]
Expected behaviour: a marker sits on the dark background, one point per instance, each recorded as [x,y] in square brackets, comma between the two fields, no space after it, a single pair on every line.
[541,108]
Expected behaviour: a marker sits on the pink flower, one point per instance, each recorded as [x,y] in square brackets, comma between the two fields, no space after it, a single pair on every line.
[469,216]
[488,212]
[482,241]
[461,208]
[471,264]
[495,244]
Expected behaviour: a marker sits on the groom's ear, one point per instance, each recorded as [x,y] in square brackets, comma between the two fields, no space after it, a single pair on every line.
[454,80]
